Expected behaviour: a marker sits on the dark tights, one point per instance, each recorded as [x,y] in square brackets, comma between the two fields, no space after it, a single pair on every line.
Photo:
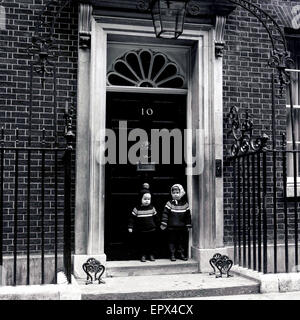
[176,240]
[146,242]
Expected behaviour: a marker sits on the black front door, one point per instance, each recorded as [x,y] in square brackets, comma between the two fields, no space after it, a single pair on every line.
[123,181]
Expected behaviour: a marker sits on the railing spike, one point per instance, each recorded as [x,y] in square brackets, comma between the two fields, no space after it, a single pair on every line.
[283,139]
[44,133]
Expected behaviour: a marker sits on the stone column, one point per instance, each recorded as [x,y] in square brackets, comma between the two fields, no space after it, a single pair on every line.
[96,135]
[207,109]
[82,132]
[218,120]
[91,115]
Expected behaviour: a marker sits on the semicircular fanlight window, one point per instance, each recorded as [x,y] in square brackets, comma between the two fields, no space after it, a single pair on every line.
[145,68]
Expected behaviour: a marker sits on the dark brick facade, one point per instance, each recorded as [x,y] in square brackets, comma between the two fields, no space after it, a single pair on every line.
[246,85]
[15,38]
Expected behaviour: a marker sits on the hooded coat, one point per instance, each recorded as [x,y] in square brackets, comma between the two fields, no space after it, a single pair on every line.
[177,214]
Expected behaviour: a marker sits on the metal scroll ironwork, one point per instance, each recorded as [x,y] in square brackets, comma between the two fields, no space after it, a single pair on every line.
[281,60]
[221,263]
[43,53]
[273,29]
[280,56]
[143,5]
[69,134]
[243,134]
[93,266]
[43,45]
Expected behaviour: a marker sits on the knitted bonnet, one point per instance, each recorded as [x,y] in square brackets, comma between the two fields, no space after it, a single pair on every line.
[181,190]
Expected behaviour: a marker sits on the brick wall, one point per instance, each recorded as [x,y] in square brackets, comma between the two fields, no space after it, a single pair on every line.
[247,85]
[15,38]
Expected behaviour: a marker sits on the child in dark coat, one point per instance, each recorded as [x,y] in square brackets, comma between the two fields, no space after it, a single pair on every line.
[176,218]
[144,221]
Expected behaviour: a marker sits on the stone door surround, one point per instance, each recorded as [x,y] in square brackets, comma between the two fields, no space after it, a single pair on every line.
[204,114]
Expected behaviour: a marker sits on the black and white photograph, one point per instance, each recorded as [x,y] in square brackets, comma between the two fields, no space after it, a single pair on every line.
[149,153]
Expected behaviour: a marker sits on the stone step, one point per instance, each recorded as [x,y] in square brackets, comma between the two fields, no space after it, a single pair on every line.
[160,266]
[167,287]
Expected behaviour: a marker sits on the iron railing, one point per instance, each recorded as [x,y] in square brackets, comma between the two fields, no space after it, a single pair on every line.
[254,169]
[33,180]
[265,214]
[36,171]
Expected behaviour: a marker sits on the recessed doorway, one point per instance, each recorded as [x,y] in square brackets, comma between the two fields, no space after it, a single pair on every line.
[126,112]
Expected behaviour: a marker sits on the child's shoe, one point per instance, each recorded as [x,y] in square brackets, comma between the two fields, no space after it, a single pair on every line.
[182,257]
[173,257]
[151,257]
[143,259]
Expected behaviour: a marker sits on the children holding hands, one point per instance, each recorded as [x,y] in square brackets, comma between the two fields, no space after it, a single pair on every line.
[176,220]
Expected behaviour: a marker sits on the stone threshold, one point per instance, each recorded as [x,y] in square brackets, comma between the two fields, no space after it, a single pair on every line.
[159,266]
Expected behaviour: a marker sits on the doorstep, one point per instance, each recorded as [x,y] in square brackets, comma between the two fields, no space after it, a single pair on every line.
[136,287]
[148,268]
[166,287]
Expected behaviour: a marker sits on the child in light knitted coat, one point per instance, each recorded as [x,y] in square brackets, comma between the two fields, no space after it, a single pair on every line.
[144,221]
[176,218]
